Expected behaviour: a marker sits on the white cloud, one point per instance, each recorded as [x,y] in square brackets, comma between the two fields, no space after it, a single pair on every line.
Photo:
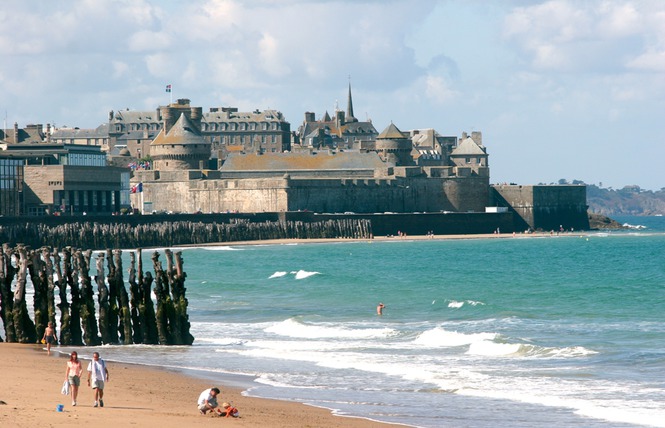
[648,61]
[597,36]
[147,41]
[120,69]
[437,89]
[271,56]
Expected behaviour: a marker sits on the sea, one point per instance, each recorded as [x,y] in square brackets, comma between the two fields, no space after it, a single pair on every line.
[564,330]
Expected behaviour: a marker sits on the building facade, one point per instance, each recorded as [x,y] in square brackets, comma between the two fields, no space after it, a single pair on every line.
[62,178]
[11,186]
[229,131]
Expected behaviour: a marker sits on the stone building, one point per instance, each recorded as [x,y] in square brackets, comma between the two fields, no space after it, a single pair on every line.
[394,147]
[430,148]
[470,153]
[82,136]
[31,134]
[225,128]
[343,131]
[229,130]
[180,145]
[134,130]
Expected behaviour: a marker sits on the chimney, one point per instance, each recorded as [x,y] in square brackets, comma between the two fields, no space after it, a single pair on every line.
[477,136]
[15,132]
[196,116]
[340,118]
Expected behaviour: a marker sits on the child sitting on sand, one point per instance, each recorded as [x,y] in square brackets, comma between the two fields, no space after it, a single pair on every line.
[229,410]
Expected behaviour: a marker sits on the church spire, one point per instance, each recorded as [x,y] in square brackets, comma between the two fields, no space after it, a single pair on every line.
[349,106]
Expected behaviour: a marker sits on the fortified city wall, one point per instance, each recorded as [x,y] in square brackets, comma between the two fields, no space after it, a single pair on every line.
[544,207]
[192,191]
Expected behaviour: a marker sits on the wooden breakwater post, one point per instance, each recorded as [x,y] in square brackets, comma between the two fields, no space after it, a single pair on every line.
[136,232]
[121,319]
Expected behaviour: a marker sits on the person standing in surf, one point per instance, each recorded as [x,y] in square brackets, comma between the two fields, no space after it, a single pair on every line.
[379,309]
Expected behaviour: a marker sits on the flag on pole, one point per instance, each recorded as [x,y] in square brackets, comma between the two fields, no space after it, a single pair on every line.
[168,88]
[137,188]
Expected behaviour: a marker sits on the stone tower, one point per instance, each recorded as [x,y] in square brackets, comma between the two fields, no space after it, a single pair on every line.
[394,147]
[181,146]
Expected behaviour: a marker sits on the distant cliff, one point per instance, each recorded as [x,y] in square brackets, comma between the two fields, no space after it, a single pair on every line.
[631,200]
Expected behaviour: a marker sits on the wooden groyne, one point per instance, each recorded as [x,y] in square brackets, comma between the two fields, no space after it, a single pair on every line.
[109,234]
[124,318]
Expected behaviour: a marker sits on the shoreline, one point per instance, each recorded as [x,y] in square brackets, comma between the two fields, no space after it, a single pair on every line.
[286,241]
[138,395]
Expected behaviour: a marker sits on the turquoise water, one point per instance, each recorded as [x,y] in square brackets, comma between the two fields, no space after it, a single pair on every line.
[557,331]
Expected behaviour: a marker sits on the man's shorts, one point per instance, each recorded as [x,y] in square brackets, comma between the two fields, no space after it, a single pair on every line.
[74,380]
[98,384]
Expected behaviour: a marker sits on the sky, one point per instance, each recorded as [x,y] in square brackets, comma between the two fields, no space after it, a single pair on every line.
[560,89]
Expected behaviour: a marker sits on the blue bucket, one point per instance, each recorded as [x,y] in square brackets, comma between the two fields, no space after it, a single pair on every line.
[60,407]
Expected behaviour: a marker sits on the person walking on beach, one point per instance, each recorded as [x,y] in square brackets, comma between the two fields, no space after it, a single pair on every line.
[49,337]
[379,309]
[207,401]
[73,375]
[98,374]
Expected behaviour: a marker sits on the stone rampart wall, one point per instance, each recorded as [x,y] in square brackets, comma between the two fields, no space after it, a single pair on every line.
[382,195]
[544,207]
[365,195]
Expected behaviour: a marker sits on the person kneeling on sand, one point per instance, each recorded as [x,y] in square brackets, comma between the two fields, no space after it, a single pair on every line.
[208,400]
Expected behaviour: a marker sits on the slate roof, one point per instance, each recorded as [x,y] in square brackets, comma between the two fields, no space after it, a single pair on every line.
[181,133]
[133,116]
[467,147]
[25,135]
[136,135]
[323,160]
[102,131]
[391,133]
[235,116]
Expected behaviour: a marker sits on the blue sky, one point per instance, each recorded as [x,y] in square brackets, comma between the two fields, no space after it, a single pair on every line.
[559,89]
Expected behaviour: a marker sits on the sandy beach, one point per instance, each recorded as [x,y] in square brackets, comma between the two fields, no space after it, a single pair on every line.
[136,396]
[396,238]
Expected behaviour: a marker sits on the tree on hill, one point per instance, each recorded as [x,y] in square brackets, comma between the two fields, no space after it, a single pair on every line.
[630,200]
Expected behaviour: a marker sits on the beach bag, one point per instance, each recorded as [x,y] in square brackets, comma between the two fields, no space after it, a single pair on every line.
[65,388]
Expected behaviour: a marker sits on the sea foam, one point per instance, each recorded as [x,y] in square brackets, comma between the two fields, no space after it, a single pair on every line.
[302,274]
[277,275]
[438,337]
[293,328]
[455,304]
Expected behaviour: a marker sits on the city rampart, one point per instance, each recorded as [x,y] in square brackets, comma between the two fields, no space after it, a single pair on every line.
[388,195]
[544,207]
[193,191]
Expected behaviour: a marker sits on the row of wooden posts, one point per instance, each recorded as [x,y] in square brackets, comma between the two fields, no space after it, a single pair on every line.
[123,318]
[167,234]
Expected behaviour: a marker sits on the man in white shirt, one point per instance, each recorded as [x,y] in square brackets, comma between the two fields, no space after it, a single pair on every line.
[98,373]
[208,400]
